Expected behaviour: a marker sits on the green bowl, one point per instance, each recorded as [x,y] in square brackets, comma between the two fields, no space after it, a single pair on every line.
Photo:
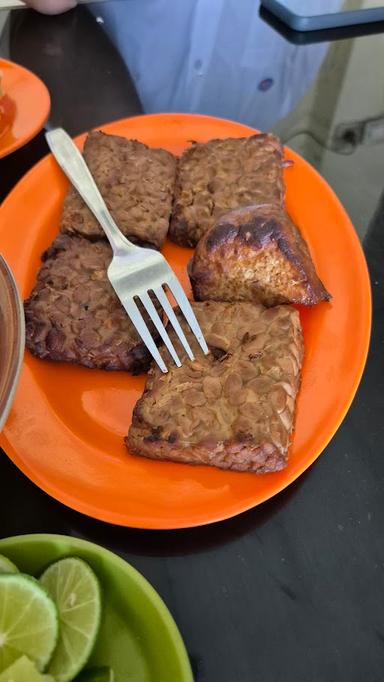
[138,637]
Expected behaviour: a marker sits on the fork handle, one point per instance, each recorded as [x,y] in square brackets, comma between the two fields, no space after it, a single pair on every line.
[71,161]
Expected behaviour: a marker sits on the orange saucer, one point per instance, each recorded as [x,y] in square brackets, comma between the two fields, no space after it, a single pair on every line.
[24,106]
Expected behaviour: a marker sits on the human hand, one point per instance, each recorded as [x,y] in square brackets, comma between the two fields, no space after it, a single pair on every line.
[51,6]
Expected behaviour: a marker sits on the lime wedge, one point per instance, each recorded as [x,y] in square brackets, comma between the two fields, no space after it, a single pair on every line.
[76,591]
[7,566]
[23,670]
[28,621]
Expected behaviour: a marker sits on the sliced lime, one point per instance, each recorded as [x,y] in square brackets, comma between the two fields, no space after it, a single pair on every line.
[7,566]
[74,587]
[23,670]
[28,621]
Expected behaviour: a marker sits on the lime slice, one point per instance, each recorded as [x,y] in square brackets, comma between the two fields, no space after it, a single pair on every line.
[7,566]
[23,670]
[28,621]
[74,587]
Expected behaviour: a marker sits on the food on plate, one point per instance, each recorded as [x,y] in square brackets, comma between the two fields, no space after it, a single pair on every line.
[217,176]
[233,408]
[255,253]
[73,314]
[75,589]
[137,183]
[50,625]
[29,622]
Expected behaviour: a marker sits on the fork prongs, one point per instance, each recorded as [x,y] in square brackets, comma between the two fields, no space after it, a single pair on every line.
[143,331]
[155,317]
[163,299]
[185,307]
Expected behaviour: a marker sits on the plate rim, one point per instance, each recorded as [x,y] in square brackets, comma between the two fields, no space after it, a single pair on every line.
[19,339]
[134,575]
[236,507]
[35,129]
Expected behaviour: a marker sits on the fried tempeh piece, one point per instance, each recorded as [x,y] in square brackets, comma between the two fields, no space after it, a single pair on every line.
[233,408]
[217,176]
[256,254]
[137,184]
[73,314]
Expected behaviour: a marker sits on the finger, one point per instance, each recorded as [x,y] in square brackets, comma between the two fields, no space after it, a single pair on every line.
[51,6]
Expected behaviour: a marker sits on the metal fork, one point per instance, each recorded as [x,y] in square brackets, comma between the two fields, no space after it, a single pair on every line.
[134,271]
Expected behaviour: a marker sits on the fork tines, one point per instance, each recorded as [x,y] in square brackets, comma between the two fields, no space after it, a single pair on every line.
[185,307]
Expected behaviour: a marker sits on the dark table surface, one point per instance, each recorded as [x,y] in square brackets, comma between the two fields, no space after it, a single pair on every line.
[293,590]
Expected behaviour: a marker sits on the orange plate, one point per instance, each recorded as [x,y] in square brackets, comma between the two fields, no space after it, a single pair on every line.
[66,428]
[26,105]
